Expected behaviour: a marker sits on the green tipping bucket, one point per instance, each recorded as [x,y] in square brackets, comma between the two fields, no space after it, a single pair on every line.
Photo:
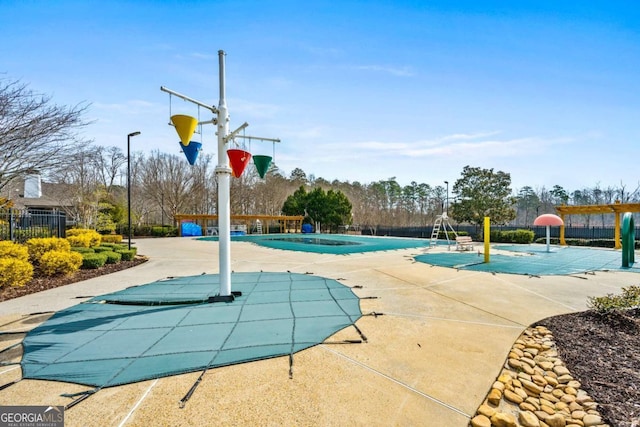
[262,164]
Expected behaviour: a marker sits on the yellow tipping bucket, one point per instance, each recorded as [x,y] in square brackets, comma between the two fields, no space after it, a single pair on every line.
[185,126]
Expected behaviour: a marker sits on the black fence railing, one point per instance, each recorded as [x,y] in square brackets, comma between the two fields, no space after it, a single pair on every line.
[20,225]
[476,231]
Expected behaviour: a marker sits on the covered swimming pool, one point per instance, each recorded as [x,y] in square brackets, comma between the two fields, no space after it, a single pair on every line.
[171,327]
[337,244]
[532,260]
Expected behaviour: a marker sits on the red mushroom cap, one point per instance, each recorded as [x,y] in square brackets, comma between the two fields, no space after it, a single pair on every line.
[548,219]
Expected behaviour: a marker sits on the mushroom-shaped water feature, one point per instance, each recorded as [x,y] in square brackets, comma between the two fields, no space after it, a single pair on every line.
[548,220]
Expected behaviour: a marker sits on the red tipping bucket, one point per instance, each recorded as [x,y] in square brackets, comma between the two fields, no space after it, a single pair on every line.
[239,159]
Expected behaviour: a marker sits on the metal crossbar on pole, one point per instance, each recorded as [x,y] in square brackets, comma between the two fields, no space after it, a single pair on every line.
[189,99]
[259,138]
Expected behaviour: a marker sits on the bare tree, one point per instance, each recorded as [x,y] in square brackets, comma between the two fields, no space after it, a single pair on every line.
[270,193]
[167,176]
[627,196]
[142,205]
[81,193]
[110,161]
[34,133]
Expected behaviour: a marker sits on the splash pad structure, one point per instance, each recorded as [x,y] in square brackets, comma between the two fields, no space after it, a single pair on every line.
[548,220]
[239,159]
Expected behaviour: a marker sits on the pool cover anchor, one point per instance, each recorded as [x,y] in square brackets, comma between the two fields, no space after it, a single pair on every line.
[7,385]
[195,385]
[374,314]
[83,395]
[344,342]
[364,338]
[225,298]
[290,366]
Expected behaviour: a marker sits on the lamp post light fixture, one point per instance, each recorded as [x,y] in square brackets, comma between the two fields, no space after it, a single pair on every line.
[129,182]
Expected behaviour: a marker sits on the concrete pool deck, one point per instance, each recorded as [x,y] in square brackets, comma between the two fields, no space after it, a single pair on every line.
[430,358]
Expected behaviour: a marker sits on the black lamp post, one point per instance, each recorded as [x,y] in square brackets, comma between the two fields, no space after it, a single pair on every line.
[129,181]
[446,205]
[162,209]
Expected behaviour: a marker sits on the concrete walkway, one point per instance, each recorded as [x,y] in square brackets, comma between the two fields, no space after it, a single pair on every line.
[429,361]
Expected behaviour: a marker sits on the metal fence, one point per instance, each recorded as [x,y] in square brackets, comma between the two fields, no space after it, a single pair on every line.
[20,225]
[476,231]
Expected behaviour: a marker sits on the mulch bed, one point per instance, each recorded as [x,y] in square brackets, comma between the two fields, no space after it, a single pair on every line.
[38,284]
[602,351]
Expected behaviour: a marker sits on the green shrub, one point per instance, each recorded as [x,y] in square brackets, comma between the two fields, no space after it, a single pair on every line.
[92,260]
[552,240]
[82,250]
[127,255]
[60,262]
[597,243]
[629,298]
[15,272]
[39,246]
[99,249]
[167,231]
[13,250]
[512,236]
[113,257]
[452,236]
[114,246]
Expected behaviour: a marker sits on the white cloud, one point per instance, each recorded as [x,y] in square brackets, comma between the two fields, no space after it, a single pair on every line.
[477,146]
[465,136]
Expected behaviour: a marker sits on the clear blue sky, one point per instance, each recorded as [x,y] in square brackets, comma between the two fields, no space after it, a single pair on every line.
[548,91]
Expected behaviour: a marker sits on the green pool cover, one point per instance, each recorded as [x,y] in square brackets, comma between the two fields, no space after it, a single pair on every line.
[532,260]
[168,327]
[338,244]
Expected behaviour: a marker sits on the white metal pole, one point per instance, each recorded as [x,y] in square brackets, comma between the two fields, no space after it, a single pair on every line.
[548,239]
[223,174]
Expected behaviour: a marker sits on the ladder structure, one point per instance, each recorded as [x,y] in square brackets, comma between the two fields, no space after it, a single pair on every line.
[442,222]
[259,227]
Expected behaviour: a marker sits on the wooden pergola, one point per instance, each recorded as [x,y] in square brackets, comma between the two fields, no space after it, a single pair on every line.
[615,208]
[286,222]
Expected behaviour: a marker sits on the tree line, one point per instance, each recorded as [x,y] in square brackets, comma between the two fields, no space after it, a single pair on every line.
[37,135]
